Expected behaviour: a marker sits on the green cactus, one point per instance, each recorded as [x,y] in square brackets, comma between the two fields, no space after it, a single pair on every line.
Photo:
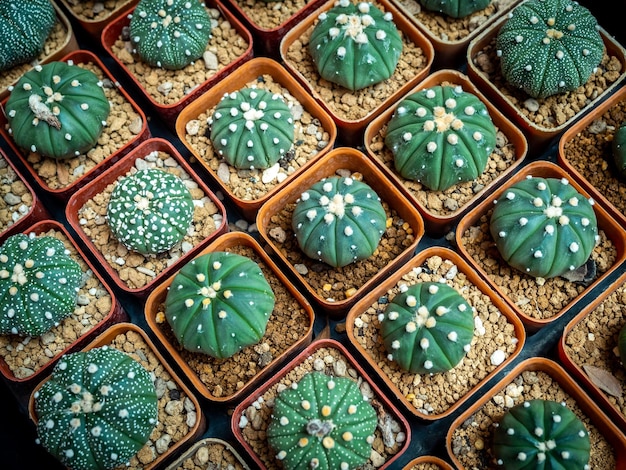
[542,435]
[618,148]
[219,303]
[549,46]
[57,110]
[170,33]
[355,45]
[441,136]
[544,227]
[427,328]
[150,211]
[252,128]
[39,284]
[455,8]
[24,28]
[339,221]
[97,409]
[322,422]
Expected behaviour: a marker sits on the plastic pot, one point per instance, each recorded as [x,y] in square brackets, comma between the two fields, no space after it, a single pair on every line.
[227,453]
[427,462]
[91,23]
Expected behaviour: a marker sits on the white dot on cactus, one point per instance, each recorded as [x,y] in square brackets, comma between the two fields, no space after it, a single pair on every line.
[217,265]
[537,202]
[519,38]
[453,336]
[410,327]
[521,456]
[75,388]
[92,368]
[585,221]
[450,103]
[407,136]
[341,52]
[533,19]
[574,247]
[34,296]
[428,365]
[549,229]
[510,431]
[441,310]
[131,374]
[305,404]
[510,195]
[429,126]
[453,139]
[420,112]
[424,343]
[281,455]
[565,454]
[27,86]
[393,315]
[411,301]
[538,254]
[430,93]
[348,231]
[232,127]
[303,442]
[563,220]
[559,54]
[433,289]
[431,147]
[69,453]
[431,322]
[284,421]
[328,442]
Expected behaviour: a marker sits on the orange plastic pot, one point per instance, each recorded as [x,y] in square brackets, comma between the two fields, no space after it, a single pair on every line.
[427,462]
[227,452]
[94,24]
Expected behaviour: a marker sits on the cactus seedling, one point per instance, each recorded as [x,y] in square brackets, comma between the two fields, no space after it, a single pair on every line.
[39,284]
[455,8]
[97,409]
[549,46]
[543,435]
[322,422]
[170,33]
[150,211]
[618,147]
[355,45]
[441,136]
[544,227]
[252,128]
[339,221]
[219,303]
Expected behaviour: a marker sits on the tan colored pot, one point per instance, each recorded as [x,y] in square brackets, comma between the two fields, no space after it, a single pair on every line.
[427,462]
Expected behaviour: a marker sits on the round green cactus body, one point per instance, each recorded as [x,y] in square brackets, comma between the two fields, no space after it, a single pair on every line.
[150,211]
[219,303]
[355,45]
[544,227]
[57,110]
[39,284]
[339,221]
[455,8]
[618,147]
[252,128]
[427,328]
[322,422]
[441,136]
[24,28]
[542,435]
[170,33]
[97,409]
[549,46]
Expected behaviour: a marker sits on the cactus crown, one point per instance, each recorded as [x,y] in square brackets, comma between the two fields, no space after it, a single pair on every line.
[355,45]
[24,28]
[544,227]
[170,33]
[549,46]
[96,410]
[339,221]
[219,303]
[618,147]
[150,211]
[541,434]
[57,110]
[441,136]
[455,8]
[322,422]
[39,283]
[252,128]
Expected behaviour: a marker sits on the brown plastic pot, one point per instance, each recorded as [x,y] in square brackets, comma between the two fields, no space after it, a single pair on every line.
[295,310]
[320,355]
[492,267]
[473,428]
[417,393]
[94,25]
[119,336]
[427,462]
[255,72]
[511,153]
[100,187]
[351,130]
[230,458]
[280,205]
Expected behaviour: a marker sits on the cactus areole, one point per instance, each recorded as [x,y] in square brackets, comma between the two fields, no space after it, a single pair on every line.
[97,409]
[322,423]
[455,8]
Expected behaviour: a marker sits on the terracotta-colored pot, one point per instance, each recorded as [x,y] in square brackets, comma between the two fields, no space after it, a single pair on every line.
[230,458]
[123,336]
[424,396]
[215,379]
[506,158]
[268,74]
[513,285]
[114,41]
[531,379]
[300,64]
[41,353]
[134,273]
[57,177]
[427,462]
[324,355]
[329,288]
[91,23]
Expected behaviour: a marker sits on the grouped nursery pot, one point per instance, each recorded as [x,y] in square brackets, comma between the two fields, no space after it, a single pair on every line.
[210,451]
[93,16]
[314,134]
[442,209]
[427,462]
[129,270]
[289,329]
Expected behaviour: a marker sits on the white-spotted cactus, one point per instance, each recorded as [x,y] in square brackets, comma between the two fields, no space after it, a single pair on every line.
[322,422]
[544,227]
[455,8]
[97,409]
[618,147]
[39,284]
[441,136]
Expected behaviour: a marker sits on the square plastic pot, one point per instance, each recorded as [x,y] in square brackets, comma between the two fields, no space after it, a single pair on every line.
[267,74]
[506,158]
[130,271]
[93,23]
[219,380]
[427,462]
[230,458]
